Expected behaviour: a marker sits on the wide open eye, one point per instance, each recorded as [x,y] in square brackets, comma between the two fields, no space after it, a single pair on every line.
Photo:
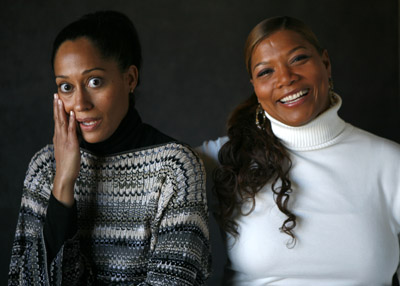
[65,87]
[95,82]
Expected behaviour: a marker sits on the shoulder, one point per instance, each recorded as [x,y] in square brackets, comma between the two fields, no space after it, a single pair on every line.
[208,151]
[179,154]
[185,173]
[44,154]
[152,136]
[173,154]
[377,157]
[376,145]
[40,173]
[42,160]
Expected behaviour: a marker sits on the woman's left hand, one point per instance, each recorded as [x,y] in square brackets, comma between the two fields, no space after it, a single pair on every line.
[67,153]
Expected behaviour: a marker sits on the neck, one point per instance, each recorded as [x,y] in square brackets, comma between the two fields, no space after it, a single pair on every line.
[319,133]
[121,140]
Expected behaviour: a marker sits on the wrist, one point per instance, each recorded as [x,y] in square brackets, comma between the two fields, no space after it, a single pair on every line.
[63,191]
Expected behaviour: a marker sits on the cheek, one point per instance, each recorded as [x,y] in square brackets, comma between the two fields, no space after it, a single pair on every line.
[323,89]
[263,92]
[320,77]
[117,106]
[68,105]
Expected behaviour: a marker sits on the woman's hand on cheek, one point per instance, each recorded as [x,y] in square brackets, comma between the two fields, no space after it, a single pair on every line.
[67,154]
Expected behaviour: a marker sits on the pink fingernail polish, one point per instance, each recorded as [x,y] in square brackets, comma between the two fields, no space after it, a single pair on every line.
[55,96]
[59,102]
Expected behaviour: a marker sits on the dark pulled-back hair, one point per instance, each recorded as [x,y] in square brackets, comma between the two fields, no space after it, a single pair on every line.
[111,32]
[254,157]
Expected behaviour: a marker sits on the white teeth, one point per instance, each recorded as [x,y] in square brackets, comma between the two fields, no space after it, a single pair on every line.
[89,123]
[294,96]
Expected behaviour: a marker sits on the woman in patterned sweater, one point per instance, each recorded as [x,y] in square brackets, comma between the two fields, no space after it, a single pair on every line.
[113,200]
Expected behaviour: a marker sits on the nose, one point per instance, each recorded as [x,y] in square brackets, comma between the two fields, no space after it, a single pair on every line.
[285,76]
[82,100]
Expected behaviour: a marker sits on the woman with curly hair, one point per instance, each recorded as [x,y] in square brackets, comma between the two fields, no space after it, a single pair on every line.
[304,197]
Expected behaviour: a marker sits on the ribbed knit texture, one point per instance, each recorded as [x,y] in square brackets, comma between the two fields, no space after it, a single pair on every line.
[346,196]
[322,132]
[142,220]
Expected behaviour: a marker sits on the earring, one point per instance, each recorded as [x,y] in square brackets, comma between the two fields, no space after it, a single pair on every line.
[331,93]
[260,114]
[330,85]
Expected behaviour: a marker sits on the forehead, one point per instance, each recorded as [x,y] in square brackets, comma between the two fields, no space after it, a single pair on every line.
[78,53]
[80,46]
[281,42]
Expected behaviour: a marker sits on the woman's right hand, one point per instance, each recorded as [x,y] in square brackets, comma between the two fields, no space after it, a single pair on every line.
[67,154]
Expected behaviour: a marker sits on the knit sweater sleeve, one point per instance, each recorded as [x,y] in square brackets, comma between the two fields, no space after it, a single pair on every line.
[386,161]
[29,264]
[59,226]
[180,251]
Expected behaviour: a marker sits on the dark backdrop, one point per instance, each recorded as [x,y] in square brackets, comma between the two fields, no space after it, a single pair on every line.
[193,73]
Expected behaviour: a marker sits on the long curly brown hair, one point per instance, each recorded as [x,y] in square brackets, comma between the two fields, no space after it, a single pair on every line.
[254,157]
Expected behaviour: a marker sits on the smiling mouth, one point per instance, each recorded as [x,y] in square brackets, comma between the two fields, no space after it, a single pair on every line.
[90,123]
[294,97]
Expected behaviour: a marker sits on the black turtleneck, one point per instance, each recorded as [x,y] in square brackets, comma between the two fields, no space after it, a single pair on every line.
[131,134]
[61,221]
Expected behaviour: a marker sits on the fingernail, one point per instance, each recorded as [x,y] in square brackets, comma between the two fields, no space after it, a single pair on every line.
[59,102]
[55,96]
[71,113]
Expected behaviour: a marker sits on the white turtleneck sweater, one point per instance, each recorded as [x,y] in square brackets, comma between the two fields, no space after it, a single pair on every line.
[346,196]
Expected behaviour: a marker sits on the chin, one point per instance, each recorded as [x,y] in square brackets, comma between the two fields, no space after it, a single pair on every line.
[92,139]
[300,120]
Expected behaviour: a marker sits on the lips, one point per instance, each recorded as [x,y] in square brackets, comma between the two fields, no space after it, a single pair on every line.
[294,97]
[88,124]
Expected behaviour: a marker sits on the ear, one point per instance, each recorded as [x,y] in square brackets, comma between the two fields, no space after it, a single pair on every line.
[132,76]
[327,62]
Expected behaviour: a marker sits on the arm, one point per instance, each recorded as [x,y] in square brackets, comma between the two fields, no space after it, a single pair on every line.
[208,152]
[61,216]
[29,261]
[180,238]
[59,226]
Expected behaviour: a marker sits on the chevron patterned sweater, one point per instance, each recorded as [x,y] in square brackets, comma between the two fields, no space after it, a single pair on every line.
[142,220]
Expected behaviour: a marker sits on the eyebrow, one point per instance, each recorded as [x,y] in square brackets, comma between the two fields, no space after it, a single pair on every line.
[83,73]
[290,52]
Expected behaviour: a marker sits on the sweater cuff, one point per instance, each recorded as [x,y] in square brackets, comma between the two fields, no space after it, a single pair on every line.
[60,225]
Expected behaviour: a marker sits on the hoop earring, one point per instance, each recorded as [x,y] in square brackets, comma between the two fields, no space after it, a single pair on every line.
[260,114]
[331,93]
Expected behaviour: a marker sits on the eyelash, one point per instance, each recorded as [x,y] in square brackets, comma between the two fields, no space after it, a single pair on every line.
[296,59]
[300,58]
[264,72]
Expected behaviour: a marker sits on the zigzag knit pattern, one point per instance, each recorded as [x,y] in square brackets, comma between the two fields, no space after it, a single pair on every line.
[142,220]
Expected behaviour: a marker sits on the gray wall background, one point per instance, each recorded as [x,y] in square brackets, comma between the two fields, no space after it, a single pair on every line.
[193,71]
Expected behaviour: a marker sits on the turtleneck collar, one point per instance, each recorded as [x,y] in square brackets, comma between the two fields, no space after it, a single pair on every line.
[122,139]
[321,132]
